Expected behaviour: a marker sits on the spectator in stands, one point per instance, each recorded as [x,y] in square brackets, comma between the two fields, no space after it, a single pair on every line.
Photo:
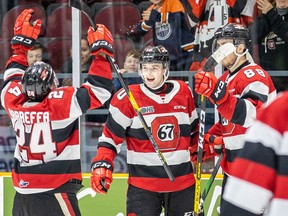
[35,53]
[166,18]
[130,66]
[86,60]
[203,20]
[269,32]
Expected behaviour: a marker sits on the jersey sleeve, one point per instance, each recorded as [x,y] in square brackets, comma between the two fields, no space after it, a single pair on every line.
[251,90]
[119,119]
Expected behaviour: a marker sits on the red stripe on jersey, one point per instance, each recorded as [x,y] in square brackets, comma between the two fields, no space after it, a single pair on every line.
[260,175]
[163,185]
[42,181]
[281,187]
[68,204]
[146,146]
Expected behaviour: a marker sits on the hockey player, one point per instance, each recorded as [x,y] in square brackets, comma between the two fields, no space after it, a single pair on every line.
[47,167]
[259,175]
[238,93]
[168,108]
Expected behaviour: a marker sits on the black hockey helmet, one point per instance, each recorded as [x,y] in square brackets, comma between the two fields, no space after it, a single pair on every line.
[38,80]
[155,54]
[239,33]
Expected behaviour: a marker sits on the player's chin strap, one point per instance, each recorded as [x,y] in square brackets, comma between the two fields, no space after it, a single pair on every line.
[235,65]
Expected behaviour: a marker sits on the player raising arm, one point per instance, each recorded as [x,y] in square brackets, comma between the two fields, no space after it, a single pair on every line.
[238,93]
[168,108]
[47,167]
[259,176]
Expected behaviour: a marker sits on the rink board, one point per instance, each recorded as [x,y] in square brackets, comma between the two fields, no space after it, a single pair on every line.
[112,204]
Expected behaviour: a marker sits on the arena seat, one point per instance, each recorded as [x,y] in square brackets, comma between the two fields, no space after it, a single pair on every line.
[117,17]
[59,21]
[10,17]
[58,50]
[121,46]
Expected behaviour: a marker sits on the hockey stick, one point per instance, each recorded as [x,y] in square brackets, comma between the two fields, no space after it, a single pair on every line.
[80,5]
[210,182]
[222,52]
[199,157]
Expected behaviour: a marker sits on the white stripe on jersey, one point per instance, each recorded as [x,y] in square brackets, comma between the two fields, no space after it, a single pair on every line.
[194,115]
[260,88]
[75,110]
[272,138]
[62,123]
[245,195]
[12,72]
[62,204]
[102,94]
[182,118]
[234,142]
[31,190]
[115,112]
[278,207]
[152,159]
[71,152]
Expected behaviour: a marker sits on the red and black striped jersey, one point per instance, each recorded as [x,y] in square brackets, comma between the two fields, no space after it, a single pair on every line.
[47,152]
[249,87]
[259,176]
[172,119]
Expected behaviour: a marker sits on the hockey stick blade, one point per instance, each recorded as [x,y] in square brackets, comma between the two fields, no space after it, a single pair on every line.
[222,52]
[80,5]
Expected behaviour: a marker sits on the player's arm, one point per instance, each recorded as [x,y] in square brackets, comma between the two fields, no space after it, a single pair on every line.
[239,110]
[109,144]
[150,16]
[99,79]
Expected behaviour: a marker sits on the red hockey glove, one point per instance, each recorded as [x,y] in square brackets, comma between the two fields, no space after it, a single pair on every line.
[101,176]
[24,38]
[25,33]
[206,83]
[215,144]
[100,40]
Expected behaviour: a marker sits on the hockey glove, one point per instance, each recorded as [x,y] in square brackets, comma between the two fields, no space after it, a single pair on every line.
[206,83]
[25,35]
[101,176]
[100,40]
[214,143]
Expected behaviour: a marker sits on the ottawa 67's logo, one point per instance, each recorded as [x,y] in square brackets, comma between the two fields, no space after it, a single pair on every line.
[166,132]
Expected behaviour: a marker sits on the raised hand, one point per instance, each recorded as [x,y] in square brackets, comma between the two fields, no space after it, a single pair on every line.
[100,40]
[24,38]
[206,83]
[25,33]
